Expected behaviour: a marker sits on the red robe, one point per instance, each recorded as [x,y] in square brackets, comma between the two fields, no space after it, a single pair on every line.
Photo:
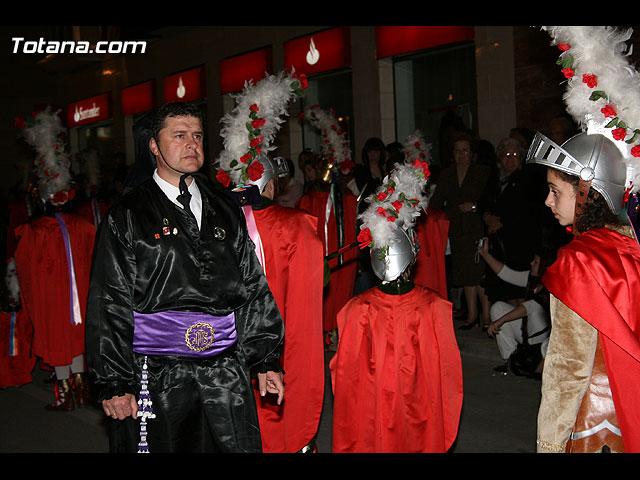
[294,269]
[397,374]
[18,215]
[93,210]
[340,287]
[16,357]
[429,270]
[43,272]
[597,275]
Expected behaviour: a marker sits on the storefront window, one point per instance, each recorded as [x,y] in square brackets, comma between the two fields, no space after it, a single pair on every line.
[435,90]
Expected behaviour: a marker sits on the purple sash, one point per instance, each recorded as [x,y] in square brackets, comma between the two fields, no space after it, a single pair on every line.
[183,334]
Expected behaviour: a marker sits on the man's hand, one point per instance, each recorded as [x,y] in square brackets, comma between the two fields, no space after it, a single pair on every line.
[271,382]
[121,407]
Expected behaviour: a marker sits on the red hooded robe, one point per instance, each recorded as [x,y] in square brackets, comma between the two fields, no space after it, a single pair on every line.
[397,374]
[293,259]
[340,287]
[43,272]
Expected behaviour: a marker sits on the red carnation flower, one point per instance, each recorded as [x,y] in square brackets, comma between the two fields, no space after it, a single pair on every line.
[304,83]
[364,237]
[563,46]
[223,177]
[382,211]
[619,133]
[381,196]
[635,151]
[346,166]
[567,72]
[590,80]
[397,205]
[258,122]
[391,218]
[254,108]
[255,171]
[246,157]
[609,111]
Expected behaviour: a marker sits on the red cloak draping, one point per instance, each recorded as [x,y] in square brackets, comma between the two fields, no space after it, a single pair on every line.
[432,231]
[597,275]
[294,270]
[340,287]
[16,358]
[397,374]
[43,273]
[18,214]
[93,210]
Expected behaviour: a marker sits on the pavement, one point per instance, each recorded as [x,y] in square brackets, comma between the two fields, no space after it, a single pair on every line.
[498,415]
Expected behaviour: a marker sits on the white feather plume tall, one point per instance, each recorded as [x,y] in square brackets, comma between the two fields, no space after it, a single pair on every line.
[52,161]
[401,198]
[251,127]
[335,145]
[603,88]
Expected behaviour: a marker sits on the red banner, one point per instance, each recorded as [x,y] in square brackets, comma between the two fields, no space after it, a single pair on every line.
[319,52]
[89,110]
[185,86]
[396,40]
[236,70]
[138,98]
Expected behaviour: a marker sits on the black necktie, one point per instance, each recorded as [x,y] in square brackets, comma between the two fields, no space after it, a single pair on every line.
[185,197]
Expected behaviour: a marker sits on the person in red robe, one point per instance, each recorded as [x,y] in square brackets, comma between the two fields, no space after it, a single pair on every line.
[53,261]
[591,376]
[292,257]
[432,230]
[397,372]
[16,358]
[335,235]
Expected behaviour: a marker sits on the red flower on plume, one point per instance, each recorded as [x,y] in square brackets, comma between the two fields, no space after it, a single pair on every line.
[255,141]
[381,211]
[635,151]
[223,177]
[246,157]
[397,205]
[563,46]
[60,197]
[304,82]
[424,166]
[590,80]
[391,218]
[347,166]
[567,72]
[619,133]
[390,190]
[381,196]
[608,111]
[364,237]
[254,108]
[255,171]
[19,122]
[258,122]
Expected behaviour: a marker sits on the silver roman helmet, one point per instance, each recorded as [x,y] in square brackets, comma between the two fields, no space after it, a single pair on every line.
[591,157]
[390,263]
[273,168]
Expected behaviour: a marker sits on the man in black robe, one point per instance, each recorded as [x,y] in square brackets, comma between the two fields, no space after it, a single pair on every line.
[180,312]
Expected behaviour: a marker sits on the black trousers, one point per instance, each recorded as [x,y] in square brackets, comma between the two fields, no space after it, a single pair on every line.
[199,405]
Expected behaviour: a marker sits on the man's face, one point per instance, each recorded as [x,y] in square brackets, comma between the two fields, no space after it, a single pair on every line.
[180,145]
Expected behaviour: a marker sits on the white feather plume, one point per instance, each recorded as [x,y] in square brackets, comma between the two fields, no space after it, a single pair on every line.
[271,96]
[52,161]
[401,198]
[601,51]
[335,145]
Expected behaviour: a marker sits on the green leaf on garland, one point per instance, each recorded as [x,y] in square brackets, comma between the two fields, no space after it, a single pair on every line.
[612,123]
[597,95]
[233,163]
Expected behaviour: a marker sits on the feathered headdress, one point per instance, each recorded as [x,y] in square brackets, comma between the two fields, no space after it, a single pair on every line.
[399,201]
[335,145]
[250,129]
[603,89]
[45,133]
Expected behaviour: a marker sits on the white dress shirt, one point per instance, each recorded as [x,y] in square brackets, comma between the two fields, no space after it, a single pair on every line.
[172,193]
